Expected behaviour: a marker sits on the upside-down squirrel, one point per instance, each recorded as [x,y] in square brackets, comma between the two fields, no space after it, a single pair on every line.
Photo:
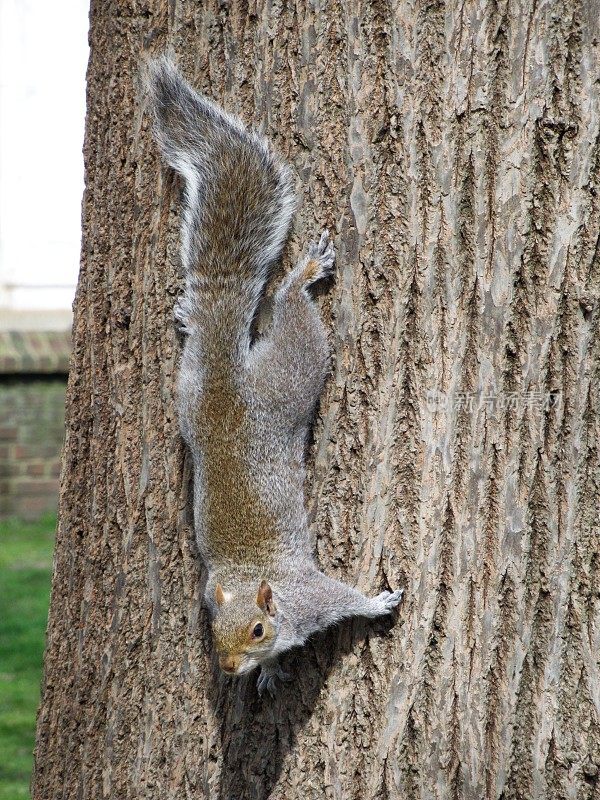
[246,403]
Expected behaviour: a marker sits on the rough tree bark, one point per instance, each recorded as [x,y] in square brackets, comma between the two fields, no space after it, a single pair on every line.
[454,149]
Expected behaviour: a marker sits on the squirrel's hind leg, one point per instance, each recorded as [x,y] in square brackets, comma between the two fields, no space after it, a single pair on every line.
[290,363]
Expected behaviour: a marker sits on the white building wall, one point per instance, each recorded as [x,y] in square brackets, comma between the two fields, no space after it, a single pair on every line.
[43,58]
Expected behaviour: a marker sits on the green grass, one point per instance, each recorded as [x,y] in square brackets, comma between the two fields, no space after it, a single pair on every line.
[25,570]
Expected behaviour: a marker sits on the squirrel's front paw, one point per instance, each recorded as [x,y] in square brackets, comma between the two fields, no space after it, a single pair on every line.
[319,260]
[267,680]
[387,601]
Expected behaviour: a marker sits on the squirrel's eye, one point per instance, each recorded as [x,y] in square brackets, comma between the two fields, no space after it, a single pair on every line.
[258,631]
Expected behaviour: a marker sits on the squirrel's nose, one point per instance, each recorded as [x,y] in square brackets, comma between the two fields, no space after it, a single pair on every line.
[228,663]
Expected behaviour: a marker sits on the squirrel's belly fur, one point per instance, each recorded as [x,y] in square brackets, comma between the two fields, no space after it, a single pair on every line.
[245,407]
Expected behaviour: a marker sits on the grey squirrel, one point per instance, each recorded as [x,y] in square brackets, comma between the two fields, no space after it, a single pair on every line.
[246,404]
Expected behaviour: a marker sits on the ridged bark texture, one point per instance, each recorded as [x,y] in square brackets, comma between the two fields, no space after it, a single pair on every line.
[454,150]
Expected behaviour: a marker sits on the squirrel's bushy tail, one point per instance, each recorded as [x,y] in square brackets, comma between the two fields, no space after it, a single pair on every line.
[238,204]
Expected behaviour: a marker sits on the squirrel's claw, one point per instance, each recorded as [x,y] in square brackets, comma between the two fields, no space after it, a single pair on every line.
[181,315]
[324,241]
[321,257]
[267,680]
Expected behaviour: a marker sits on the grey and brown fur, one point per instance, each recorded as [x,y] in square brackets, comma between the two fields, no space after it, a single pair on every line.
[245,407]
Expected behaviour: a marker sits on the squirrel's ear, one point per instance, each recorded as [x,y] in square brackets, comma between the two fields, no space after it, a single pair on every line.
[264,599]
[219,595]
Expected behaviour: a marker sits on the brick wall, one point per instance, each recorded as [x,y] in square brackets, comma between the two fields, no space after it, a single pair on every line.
[31,437]
[33,380]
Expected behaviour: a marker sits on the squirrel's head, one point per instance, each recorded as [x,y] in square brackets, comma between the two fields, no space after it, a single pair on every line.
[245,627]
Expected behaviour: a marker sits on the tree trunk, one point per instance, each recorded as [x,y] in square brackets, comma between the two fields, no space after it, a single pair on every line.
[454,150]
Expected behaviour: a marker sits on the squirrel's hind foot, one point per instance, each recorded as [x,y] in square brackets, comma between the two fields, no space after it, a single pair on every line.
[319,260]
[181,314]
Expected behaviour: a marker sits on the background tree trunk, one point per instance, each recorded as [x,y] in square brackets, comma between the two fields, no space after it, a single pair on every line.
[454,149]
